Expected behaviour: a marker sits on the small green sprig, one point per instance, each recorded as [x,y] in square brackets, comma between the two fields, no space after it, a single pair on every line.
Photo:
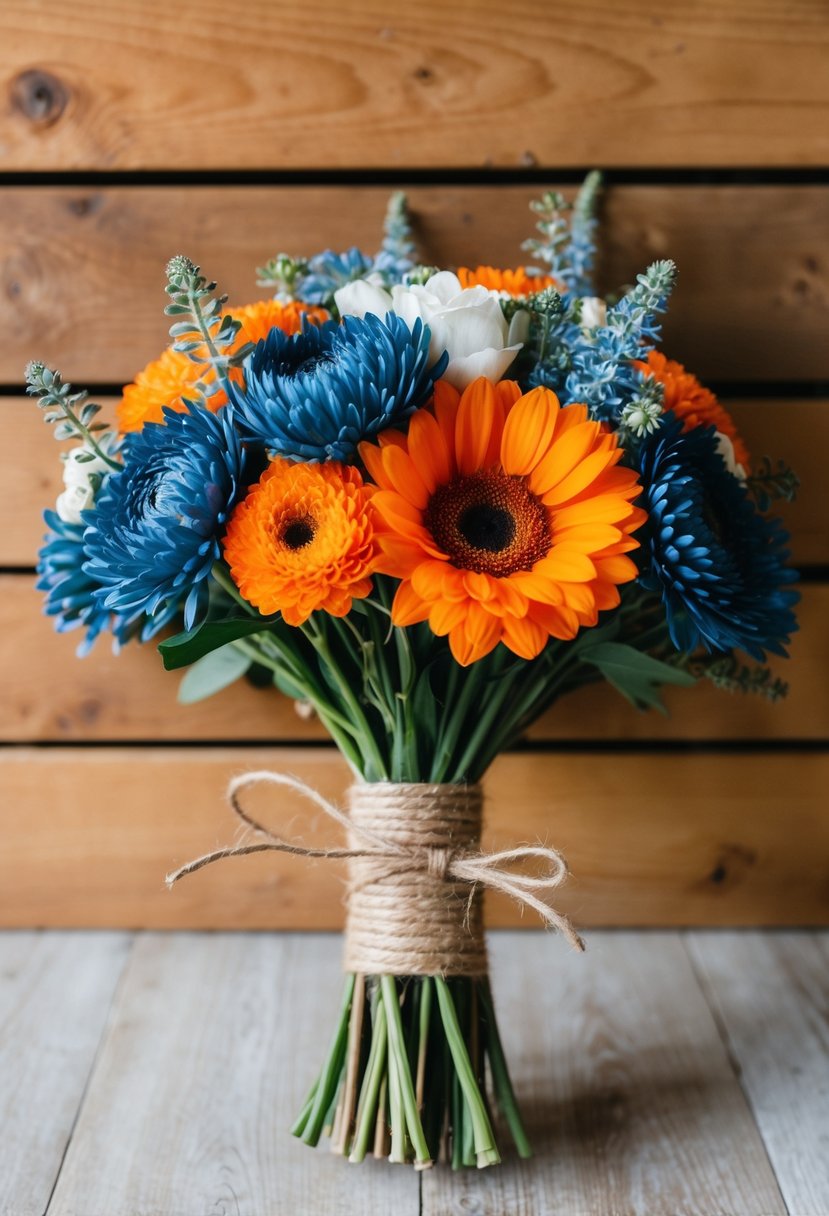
[771,484]
[728,674]
[642,415]
[207,335]
[71,413]
[282,275]
[419,275]
[551,208]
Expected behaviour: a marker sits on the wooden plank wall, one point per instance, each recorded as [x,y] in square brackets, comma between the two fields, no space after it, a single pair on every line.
[129,132]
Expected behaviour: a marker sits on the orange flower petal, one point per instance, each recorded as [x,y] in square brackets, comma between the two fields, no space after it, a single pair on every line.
[580,477]
[528,431]
[428,450]
[524,636]
[473,425]
[404,477]
[565,455]
[407,607]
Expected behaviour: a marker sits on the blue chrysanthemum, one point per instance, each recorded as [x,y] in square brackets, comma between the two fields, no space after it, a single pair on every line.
[70,592]
[329,270]
[314,396]
[719,564]
[155,532]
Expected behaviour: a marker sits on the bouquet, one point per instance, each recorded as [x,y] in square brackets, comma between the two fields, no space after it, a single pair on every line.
[425,503]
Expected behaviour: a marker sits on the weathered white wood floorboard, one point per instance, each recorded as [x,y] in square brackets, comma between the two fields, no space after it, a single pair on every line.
[771,995]
[213,1043]
[55,992]
[631,1101]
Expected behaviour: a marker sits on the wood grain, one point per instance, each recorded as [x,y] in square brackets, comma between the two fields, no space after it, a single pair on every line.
[771,993]
[719,82]
[213,1044]
[51,695]
[796,431]
[82,269]
[673,839]
[55,994]
[632,1105]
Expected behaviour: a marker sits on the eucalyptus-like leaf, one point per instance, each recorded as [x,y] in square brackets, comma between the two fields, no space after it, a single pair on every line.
[211,673]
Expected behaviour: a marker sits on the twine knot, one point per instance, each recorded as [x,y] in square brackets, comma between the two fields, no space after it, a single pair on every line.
[416,873]
[437,861]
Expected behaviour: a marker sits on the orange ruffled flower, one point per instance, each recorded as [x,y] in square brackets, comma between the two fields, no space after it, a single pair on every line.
[513,282]
[303,539]
[172,378]
[505,516]
[694,404]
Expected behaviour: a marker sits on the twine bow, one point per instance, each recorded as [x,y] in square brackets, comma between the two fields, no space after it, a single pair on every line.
[484,869]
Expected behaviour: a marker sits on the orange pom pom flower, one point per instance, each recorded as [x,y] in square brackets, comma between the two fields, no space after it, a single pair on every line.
[303,540]
[171,379]
[516,282]
[504,516]
[693,403]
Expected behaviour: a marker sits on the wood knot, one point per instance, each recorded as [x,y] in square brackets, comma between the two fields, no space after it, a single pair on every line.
[39,96]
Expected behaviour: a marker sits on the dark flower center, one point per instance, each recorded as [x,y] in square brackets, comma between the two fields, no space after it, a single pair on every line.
[490,523]
[487,527]
[297,533]
[310,365]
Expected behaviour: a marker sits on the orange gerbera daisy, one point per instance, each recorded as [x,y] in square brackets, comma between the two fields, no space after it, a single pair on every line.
[694,404]
[513,282]
[302,540]
[172,378]
[505,516]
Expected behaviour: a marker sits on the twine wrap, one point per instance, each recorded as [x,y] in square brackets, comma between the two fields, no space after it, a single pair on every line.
[416,915]
[415,873]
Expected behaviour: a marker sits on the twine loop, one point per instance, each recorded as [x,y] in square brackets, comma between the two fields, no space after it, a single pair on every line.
[416,873]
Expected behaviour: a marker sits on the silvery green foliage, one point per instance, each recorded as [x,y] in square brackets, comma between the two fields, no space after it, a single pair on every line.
[71,413]
[207,335]
[770,484]
[567,244]
[727,673]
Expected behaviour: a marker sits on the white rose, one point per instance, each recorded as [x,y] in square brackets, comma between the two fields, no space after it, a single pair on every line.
[726,449]
[466,323]
[593,312]
[79,494]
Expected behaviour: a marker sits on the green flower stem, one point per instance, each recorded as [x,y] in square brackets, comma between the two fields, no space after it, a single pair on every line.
[222,576]
[484,727]
[397,1153]
[340,729]
[331,1072]
[424,1024]
[484,1138]
[372,1079]
[402,1073]
[89,439]
[375,764]
[218,361]
[457,721]
[302,1118]
[502,1083]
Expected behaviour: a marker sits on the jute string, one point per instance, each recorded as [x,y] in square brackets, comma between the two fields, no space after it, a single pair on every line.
[416,873]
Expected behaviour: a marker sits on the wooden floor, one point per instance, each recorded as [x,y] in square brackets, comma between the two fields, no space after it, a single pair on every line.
[662,1074]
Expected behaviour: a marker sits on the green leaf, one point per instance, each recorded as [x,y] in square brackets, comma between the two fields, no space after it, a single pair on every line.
[186,648]
[634,674]
[212,673]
